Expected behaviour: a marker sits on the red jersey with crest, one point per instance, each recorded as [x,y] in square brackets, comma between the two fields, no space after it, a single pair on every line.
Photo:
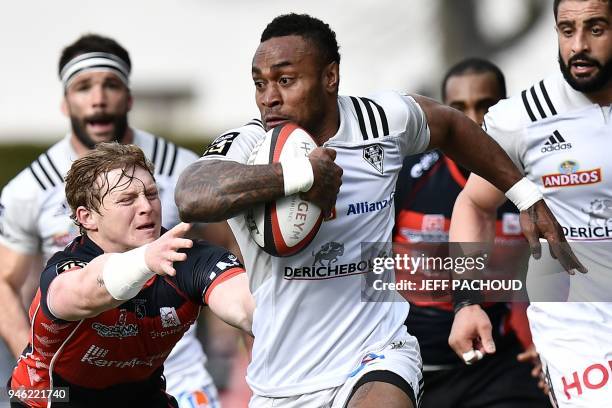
[120,352]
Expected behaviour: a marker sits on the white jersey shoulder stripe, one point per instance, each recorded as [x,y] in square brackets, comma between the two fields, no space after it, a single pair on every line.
[535,102]
[372,124]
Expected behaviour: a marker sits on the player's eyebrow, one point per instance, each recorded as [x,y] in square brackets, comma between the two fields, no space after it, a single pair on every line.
[278,65]
[596,20]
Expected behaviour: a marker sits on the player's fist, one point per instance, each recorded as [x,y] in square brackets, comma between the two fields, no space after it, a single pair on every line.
[163,252]
[327,179]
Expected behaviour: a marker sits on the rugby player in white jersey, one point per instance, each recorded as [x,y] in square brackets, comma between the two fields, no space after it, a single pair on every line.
[558,132]
[35,218]
[316,342]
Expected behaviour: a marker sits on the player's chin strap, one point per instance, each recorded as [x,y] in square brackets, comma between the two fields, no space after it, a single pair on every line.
[126,273]
[524,194]
[297,175]
[95,61]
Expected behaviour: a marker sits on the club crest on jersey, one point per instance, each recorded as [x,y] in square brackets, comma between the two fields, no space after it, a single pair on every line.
[140,308]
[374,154]
[69,264]
[169,317]
[570,176]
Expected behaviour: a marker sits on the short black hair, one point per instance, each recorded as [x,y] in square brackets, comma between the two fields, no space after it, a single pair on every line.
[93,43]
[475,66]
[309,28]
[557,2]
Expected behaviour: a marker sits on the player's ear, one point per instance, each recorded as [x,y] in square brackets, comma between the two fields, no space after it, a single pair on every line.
[331,75]
[86,218]
[64,107]
[130,101]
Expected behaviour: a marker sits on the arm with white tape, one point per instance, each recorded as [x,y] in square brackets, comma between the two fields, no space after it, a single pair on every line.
[111,279]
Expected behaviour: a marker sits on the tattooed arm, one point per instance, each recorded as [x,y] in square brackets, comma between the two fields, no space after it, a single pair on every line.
[215,190]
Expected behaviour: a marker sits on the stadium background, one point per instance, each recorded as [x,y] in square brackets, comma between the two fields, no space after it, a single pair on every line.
[191,58]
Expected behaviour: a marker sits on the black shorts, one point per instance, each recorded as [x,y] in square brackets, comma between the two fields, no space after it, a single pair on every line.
[497,381]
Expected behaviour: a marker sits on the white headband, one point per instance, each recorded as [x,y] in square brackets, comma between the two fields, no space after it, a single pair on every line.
[95,61]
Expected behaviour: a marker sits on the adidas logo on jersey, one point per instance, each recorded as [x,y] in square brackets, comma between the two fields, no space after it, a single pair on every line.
[555,143]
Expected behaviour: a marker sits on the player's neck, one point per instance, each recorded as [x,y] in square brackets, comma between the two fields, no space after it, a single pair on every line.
[81,150]
[602,97]
[329,126]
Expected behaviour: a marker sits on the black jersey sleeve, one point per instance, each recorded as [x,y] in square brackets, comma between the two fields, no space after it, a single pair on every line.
[60,262]
[206,266]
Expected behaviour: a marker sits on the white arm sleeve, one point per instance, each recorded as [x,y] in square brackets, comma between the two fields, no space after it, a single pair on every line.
[235,145]
[507,133]
[18,212]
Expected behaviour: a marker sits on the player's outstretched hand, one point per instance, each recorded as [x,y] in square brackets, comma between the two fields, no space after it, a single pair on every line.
[471,336]
[538,222]
[530,355]
[327,179]
[161,253]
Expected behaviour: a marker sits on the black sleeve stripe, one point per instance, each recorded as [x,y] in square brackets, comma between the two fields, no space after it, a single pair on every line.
[360,117]
[255,122]
[258,121]
[36,177]
[176,149]
[371,118]
[164,154]
[383,116]
[54,168]
[527,107]
[154,155]
[547,98]
[537,102]
[45,172]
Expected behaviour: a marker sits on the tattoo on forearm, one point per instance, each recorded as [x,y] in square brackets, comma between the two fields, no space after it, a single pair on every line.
[228,188]
[100,281]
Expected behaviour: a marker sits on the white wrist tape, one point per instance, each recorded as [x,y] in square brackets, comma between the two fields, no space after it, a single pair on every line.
[297,175]
[524,194]
[125,274]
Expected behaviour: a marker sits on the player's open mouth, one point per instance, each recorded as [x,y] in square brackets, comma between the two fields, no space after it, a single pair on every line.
[143,227]
[583,68]
[100,126]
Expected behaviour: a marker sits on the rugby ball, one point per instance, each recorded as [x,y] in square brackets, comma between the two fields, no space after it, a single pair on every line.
[286,226]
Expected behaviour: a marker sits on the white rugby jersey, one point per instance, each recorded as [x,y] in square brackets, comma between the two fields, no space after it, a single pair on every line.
[35,217]
[311,327]
[563,143]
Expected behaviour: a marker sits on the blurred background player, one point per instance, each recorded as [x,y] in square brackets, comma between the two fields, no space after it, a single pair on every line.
[557,132]
[427,187]
[35,221]
[112,304]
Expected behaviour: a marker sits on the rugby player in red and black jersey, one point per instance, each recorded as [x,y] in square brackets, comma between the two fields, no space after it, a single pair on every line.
[112,305]
[427,188]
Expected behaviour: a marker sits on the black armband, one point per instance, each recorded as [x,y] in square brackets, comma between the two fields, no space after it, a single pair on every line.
[463,298]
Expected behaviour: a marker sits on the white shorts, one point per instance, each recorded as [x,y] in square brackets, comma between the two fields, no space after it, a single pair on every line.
[401,357]
[575,345]
[193,388]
